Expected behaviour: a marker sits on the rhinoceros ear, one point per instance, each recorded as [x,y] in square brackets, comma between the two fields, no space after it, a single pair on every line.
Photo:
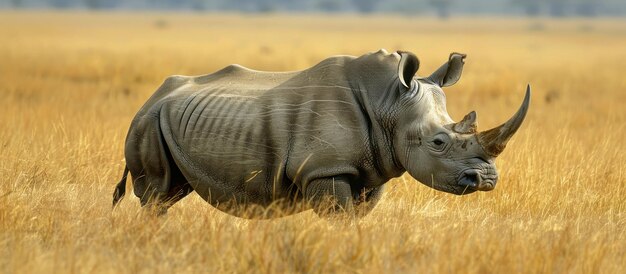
[450,72]
[407,68]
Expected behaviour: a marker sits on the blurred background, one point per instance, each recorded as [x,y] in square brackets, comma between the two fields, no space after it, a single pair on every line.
[442,8]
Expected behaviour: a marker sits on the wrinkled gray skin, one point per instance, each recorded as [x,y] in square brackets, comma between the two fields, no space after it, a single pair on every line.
[328,137]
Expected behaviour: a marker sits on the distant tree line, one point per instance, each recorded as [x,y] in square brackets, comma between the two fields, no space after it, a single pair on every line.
[442,8]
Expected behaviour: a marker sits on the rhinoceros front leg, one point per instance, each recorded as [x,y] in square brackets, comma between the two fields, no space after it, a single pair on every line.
[367,200]
[330,196]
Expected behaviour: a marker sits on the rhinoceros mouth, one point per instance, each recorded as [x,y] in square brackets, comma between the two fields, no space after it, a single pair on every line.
[455,189]
[473,179]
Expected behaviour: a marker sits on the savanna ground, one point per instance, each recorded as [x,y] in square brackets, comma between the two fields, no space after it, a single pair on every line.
[70,84]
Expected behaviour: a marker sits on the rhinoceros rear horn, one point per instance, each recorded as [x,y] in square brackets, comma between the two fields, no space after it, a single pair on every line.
[494,140]
[450,72]
[408,66]
[467,125]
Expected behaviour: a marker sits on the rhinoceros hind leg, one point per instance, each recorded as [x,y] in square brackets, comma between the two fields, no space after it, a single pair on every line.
[157,181]
[179,189]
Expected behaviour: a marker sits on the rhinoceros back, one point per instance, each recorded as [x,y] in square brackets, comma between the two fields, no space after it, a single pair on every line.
[234,133]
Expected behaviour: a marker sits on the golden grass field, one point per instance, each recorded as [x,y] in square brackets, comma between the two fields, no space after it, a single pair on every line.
[70,84]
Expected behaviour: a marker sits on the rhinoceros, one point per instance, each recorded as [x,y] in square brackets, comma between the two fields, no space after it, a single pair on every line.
[325,138]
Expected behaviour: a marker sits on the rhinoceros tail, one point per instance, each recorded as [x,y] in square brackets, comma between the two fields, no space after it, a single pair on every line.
[120,189]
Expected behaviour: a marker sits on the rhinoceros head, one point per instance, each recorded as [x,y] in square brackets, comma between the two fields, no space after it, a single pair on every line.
[446,155]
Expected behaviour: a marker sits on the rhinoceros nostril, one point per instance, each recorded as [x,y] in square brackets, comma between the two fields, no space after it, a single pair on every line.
[470,179]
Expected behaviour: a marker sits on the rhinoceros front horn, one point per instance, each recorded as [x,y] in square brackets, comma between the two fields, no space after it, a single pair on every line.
[494,140]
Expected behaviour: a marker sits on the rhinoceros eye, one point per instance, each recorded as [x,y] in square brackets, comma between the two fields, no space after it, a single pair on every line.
[438,142]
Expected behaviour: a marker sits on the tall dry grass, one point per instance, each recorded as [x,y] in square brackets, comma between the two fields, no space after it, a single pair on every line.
[71,82]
